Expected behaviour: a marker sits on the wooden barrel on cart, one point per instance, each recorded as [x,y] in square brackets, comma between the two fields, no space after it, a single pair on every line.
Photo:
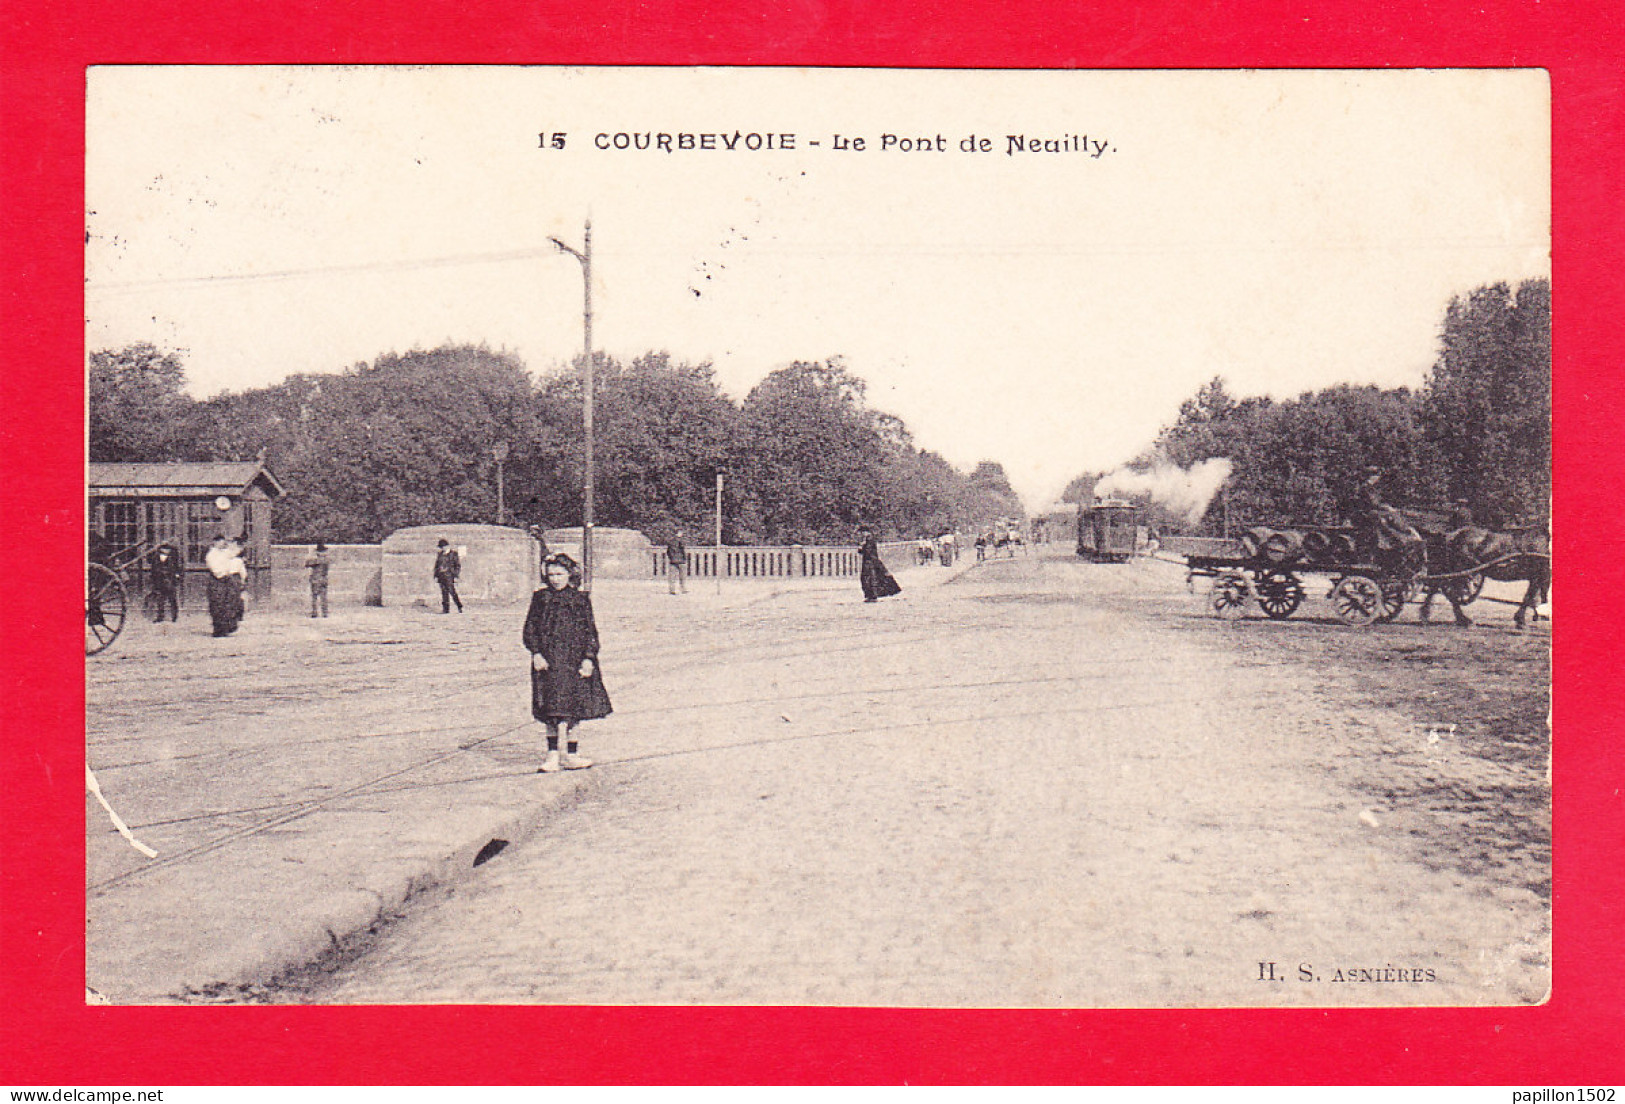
[1252,541]
[1283,546]
[1317,545]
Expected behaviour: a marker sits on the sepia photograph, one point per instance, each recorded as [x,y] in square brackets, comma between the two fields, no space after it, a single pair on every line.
[859,538]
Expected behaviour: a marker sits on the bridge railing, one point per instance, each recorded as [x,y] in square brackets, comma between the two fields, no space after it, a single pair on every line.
[780,561]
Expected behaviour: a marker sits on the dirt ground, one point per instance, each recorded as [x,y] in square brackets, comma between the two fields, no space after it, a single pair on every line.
[1046,783]
[1446,729]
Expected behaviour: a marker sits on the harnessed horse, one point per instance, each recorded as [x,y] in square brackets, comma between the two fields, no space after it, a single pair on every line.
[1470,552]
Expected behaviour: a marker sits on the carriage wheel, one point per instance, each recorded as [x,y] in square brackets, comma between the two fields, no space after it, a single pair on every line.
[1230,595]
[1395,593]
[1279,593]
[1357,600]
[106,605]
[1462,591]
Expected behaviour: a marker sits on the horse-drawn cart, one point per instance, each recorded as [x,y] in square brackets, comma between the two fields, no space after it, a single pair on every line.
[1267,568]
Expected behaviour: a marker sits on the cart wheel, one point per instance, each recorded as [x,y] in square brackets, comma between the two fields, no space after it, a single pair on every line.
[1279,593]
[1357,600]
[106,605]
[1230,595]
[1462,591]
[1395,593]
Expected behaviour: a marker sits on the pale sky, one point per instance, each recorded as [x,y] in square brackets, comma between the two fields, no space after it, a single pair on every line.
[1049,310]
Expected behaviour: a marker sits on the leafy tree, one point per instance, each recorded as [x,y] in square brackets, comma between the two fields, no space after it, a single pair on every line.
[1488,409]
[1082,487]
[408,440]
[139,410]
[661,431]
[820,463]
[990,495]
[929,495]
[272,420]
[1301,460]
[404,441]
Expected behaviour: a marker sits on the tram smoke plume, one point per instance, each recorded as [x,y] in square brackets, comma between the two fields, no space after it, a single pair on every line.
[1183,491]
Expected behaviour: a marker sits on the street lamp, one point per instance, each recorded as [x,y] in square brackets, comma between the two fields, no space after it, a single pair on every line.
[584,255]
[499,452]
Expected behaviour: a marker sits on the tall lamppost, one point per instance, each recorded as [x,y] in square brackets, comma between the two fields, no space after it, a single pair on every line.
[584,255]
[499,452]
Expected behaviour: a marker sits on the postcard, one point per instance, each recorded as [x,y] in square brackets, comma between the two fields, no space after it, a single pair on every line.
[818,537]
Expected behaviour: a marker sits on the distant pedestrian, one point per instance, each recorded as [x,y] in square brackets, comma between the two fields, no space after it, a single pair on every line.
[981,547]
[566,685]
[447,566]
[676,564]
[876,581]
[318,564]
[165,576]
[228,575]
[945,549]
[923,551]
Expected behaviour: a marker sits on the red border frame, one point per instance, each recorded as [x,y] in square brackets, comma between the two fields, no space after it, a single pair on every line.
[48,1037]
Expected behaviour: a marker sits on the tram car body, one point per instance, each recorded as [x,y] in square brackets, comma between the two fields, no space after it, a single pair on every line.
[1108,530]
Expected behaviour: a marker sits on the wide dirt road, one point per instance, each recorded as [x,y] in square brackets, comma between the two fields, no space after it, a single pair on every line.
[1046,784]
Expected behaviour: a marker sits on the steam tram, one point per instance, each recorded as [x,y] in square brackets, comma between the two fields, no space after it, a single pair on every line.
[1109,530]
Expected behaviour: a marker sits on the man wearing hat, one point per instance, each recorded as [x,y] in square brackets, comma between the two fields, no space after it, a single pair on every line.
[1383,533]
[166,581]
[447,566]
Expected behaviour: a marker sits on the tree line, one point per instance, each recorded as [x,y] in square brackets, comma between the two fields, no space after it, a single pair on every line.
[1477,433]
[412,439]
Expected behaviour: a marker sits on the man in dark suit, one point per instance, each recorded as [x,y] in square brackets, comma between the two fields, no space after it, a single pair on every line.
[447,566]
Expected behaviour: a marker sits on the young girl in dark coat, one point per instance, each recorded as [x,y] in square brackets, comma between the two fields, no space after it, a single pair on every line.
[565,684]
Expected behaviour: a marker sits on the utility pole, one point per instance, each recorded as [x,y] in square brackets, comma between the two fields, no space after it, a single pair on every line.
[721,562]
[499,452]
[584,255]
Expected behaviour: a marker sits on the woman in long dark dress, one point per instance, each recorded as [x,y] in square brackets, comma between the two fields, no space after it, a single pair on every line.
[566,686]
[872,574]
[227,577]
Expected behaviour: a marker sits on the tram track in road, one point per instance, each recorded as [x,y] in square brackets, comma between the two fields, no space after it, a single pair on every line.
[665,709]
[817,648]
[274,684]
[646,663]
[666,706]
[629,675]
[300,809]
[298,812]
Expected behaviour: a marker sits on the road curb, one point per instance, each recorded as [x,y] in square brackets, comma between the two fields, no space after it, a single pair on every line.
[334,920]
